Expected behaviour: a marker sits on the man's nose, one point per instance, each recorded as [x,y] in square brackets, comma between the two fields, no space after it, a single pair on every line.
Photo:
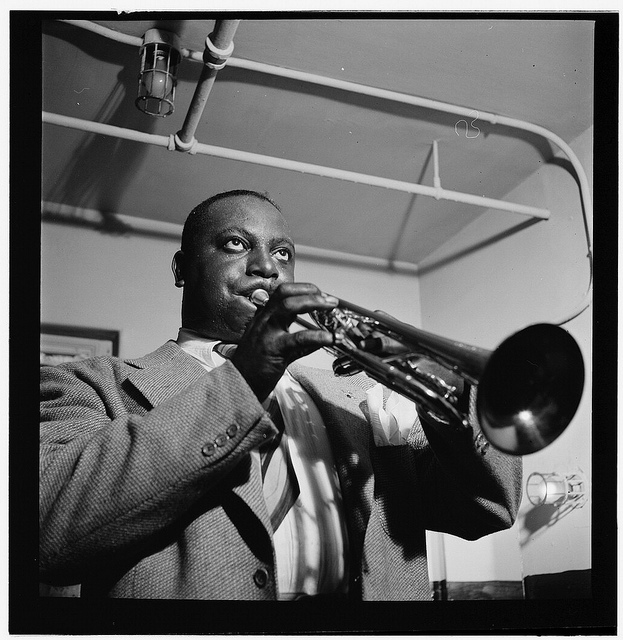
[261,263]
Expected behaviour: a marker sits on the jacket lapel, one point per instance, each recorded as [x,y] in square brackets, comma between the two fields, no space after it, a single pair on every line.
[164,373]
[247,485]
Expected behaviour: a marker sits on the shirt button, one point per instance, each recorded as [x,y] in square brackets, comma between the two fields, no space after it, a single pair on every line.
[220,440]
[208,449]
[232,430]
[260,577]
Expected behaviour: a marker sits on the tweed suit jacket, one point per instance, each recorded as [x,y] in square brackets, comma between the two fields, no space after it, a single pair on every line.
[147,488]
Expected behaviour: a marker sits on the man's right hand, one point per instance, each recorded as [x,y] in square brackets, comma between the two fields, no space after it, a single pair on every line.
[268,347]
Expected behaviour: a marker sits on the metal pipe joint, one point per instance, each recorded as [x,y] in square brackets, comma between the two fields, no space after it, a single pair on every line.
[214,57]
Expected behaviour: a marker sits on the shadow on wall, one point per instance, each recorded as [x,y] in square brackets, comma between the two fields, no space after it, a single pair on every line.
[538,519]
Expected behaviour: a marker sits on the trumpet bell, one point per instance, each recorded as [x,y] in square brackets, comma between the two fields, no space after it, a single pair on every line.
[530,389]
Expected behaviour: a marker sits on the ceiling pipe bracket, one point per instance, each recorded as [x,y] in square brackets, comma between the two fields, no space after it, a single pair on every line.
[177,144]
[214,57]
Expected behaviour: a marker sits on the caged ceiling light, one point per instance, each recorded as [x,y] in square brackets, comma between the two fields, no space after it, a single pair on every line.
[557,489]
[160,57]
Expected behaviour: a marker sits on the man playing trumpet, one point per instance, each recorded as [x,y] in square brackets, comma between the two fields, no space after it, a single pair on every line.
[217,467]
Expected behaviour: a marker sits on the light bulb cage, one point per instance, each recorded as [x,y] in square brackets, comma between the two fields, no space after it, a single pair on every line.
[557,489]
[160,56]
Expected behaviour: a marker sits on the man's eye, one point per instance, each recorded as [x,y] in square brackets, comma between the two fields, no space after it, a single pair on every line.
[234,245]
[285,255]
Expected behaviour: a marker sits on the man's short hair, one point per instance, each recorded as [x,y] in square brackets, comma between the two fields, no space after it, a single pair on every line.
[198,219]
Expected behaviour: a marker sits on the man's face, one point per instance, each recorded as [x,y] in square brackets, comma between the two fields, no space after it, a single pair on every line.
[247,246]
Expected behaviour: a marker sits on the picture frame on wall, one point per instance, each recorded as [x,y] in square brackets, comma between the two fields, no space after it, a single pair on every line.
[65,343]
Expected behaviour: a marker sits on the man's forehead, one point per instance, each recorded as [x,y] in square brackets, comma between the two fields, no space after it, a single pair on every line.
[246,212]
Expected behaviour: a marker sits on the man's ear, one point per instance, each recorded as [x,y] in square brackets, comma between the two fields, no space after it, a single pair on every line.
[177,266]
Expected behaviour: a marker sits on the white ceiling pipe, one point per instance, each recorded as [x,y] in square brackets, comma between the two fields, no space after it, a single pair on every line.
[394,96]
[434,105]
[353,87]
[292,165]
[134,41]
[219,47]
[585,195]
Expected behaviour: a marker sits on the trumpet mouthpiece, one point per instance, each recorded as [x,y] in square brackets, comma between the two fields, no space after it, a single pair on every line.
[259,297]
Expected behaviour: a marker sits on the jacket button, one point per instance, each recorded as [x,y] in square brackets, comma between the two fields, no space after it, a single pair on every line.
[260,577]
[232,430]
[220,440]
[208,449]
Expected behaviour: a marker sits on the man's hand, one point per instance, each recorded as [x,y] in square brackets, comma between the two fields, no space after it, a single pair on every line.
[267,347]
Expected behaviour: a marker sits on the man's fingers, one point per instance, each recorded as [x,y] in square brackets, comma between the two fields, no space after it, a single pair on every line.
[305,303]
[315,338]
[292,299]
[294,289]
[302,343]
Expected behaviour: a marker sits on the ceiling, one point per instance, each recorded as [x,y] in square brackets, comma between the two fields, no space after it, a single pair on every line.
[536,70]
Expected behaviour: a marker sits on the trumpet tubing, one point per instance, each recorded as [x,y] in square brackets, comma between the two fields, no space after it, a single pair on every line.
[529,388]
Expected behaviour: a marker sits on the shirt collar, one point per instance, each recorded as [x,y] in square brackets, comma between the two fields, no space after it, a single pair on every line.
[200,348]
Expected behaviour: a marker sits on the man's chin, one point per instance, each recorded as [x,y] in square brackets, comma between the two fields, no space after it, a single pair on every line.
[231,326]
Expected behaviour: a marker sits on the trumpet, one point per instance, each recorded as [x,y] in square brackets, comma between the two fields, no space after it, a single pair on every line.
[529,388]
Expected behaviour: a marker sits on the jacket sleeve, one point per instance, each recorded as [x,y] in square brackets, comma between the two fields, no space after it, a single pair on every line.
[111,482]
[448,480]
[471,488]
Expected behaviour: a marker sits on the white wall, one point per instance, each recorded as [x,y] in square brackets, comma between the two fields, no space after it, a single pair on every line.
[537,274]
[92,279]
